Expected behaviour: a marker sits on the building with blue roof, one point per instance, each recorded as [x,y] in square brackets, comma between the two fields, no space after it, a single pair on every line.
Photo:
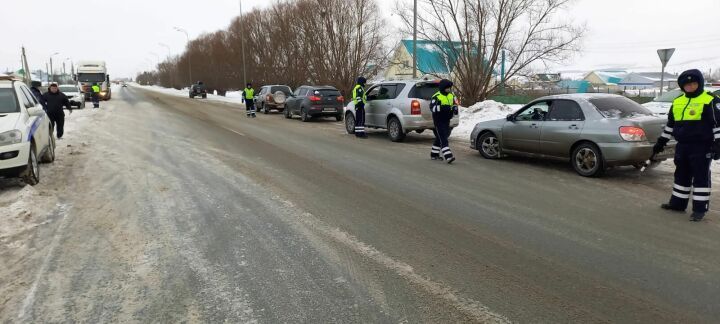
[434,59]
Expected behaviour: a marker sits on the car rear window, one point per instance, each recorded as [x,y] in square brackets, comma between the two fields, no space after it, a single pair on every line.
[423,91]
[327,92]
[619,107]
[8,103]
[285,90]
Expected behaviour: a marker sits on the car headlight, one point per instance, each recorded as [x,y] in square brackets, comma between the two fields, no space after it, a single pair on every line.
[10,137]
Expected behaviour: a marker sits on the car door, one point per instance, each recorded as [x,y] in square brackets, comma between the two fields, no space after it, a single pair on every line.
[37,125]
[522,133]
[562,128]
[370,105]
[292,102]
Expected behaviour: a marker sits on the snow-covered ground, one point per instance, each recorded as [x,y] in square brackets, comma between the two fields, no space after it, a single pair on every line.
[481,111]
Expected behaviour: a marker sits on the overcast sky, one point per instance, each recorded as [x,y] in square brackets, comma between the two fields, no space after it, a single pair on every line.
[622,33]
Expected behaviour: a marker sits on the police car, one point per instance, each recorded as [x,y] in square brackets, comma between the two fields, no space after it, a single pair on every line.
[26,136]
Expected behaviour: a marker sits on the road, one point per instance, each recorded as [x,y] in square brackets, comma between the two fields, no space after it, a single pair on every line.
[185,210]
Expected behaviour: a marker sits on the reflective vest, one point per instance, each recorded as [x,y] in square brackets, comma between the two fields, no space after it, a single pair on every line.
[249,93]
[95,89]
[447,100]
[358,94]
[690,109]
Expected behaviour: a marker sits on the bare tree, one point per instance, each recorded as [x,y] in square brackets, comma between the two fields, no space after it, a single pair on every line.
[473,34]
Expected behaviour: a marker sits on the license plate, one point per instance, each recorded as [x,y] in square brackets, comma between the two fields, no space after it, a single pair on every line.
[329,109]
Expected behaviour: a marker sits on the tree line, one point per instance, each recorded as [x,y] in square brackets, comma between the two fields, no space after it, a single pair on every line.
[322,42]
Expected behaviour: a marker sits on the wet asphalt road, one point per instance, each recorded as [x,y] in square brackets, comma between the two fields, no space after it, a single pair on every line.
[185,210]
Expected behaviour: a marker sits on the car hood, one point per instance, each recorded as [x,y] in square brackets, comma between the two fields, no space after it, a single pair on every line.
[8,121]
[658,107]
[495,123]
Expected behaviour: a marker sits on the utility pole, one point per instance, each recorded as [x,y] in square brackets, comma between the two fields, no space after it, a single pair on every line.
[502,74]
[414,55]
[26,68]
[242,44]
[52,77]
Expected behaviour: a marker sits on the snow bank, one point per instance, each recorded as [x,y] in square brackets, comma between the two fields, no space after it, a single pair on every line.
[230,97]
[481,111]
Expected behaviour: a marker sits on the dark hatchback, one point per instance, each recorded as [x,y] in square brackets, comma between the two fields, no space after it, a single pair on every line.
[315,101]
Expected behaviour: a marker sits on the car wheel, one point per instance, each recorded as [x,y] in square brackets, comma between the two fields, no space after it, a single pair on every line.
[192,97]
[49,155]
[204,96]
[304,115]
[395,130]
[489,146]
[350,123]
[31,175]
[587,160]
[265,109]
[339,117]
[287,113]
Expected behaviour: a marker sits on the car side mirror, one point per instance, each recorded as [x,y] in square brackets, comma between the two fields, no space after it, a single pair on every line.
[510,117]
[35,112]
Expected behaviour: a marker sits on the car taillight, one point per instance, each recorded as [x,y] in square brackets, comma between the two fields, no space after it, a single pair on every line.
[314,98]
[268,98]
[632,134]
[341,99]
[415,107]
[457,102]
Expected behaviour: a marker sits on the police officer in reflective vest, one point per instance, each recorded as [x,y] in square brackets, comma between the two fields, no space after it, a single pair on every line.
[694,121]
[95,95]
[358,95]
[249,100]
[443,108]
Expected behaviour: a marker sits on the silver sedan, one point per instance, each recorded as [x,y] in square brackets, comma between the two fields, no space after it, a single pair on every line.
[592,131]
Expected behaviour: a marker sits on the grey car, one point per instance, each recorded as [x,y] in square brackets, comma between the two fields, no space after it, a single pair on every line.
[272,97]
[400,107]
[592,131]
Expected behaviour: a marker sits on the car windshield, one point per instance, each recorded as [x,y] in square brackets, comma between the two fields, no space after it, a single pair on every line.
[424,90]
[68,89]
[284,89]
[8,103]
[668,96]
[619,107]
[91,77]
[327,92]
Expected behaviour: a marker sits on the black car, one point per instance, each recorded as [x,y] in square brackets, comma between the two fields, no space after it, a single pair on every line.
[198,90]
[315,101]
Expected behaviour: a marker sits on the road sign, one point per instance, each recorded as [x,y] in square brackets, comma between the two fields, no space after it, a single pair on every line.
[665,55]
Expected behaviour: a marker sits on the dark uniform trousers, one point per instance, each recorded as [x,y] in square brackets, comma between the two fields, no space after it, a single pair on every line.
[441,120]
[360,119]
[692,176]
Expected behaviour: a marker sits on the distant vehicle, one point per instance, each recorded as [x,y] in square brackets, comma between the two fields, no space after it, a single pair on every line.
[198,90]
[26,136]
[124,85]
[592,131]
[94,72]
[315,101]
[74,94]
[272,97]
[661,104]
[398,106]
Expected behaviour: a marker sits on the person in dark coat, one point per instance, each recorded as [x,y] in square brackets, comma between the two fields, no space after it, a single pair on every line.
[35,89]
[54,101]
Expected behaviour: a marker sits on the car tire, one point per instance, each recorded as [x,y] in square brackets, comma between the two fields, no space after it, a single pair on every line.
[489,146]
[31,175]
[204,96]
[192,97]
[395,130]
[304,115]
[339,117]
[287,113]
[49,156]
[265,109]
[350,123]
[587,160]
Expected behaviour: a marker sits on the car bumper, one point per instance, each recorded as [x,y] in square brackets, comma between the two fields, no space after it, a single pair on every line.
[10,167]
[325,111]
[416,122]
[631,153]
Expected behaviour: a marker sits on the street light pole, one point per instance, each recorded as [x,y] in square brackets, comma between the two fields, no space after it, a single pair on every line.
[242,44]
[189,60]
[51,78]
[414,39]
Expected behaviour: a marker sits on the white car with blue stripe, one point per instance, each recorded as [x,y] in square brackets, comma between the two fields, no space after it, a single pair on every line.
[26,135]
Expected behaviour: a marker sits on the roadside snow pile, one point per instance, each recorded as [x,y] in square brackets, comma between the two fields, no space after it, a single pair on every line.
[481,111]
[230,97]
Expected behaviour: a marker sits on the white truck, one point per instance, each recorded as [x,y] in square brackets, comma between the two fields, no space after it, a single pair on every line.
[93,72]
